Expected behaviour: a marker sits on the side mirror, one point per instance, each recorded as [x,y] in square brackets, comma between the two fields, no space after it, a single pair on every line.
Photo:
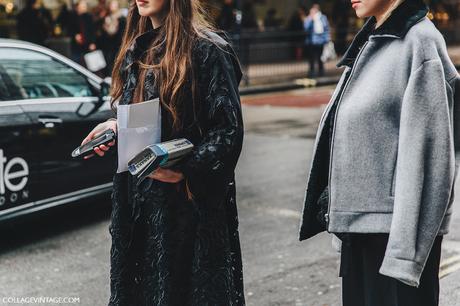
[87,109]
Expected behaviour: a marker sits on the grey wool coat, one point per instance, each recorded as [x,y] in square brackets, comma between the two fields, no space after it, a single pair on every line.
[394,151]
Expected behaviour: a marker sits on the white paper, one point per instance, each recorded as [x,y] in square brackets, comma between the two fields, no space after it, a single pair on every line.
[139,125]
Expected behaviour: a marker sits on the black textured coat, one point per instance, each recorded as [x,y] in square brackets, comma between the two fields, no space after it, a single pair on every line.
[166,249]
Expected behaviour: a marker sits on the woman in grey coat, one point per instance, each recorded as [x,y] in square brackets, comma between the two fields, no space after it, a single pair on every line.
[385,158]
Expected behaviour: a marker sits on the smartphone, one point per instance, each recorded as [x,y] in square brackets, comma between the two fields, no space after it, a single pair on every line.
[88,148]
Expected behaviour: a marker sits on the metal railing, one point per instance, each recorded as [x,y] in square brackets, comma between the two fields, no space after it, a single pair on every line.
[271,56]
[277,56]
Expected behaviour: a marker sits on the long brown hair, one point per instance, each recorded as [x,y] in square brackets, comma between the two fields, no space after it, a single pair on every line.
[184,22]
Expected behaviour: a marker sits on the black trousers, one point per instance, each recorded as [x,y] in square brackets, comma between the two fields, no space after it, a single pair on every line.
[314,57]
[362,285]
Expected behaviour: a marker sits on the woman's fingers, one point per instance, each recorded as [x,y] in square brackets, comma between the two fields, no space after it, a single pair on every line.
[90,136]
[155,175]
[94,133]
[88,156]
[98,130]
[167,176]
[87,139]
[99,151]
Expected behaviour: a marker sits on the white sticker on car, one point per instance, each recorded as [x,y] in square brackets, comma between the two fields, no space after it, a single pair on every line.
[14,175]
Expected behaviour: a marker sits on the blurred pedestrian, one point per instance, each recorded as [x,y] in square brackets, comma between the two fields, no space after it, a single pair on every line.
[249,26]
[46,17]
[175,238]
[271,22]
[81,31]
[297,19]
[316,27]
[386,158]
[226,19]
[63,20]
[32,24]
[99,12]
[249,18]
[112,33]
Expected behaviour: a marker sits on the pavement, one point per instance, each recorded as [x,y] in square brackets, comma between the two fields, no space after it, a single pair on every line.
[66,252]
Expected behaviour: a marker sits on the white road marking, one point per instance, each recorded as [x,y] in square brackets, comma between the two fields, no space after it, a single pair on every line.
[452,263]
[451,269]
[283,212]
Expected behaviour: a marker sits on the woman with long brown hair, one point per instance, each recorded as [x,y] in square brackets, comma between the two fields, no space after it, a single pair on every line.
[175,241]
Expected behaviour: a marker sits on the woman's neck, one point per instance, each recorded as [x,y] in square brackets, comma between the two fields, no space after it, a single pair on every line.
[386,12]
[157,20]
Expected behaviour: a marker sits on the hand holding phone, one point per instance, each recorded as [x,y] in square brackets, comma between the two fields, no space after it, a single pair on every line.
[96,132]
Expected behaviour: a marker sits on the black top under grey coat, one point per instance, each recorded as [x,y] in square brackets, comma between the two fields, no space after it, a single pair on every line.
[166,249]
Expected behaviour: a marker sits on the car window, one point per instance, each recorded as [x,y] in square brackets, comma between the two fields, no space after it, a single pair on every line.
[8,89]
[37,75]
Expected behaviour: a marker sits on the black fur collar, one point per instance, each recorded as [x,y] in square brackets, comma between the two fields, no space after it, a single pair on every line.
[403,18]
[406,15]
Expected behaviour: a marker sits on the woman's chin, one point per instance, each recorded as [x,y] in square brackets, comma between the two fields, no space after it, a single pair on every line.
[361,13]
[144,12]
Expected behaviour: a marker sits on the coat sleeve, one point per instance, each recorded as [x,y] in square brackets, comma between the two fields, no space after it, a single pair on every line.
[307,27]
[213,160]
[425,172]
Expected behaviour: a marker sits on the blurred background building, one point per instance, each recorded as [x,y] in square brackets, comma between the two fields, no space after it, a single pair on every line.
[269,34]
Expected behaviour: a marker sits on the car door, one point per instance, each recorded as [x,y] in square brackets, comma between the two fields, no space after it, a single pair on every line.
[54,94]
[19,170]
